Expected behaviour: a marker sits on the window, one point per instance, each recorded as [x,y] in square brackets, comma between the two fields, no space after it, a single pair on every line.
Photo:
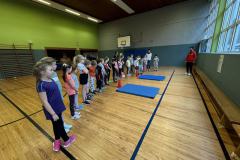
[205,45]
[236,42]
[229,39]
[221,42]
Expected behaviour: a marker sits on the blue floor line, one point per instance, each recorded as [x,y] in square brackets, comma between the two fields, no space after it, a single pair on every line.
[149,122]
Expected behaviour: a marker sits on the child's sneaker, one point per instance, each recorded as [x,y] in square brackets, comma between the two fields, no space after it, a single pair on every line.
[77,113]
[69,141]
[57,145]
[80,107]
[86,102]
[89,97]
[67,130]
[75,117]
[67,126]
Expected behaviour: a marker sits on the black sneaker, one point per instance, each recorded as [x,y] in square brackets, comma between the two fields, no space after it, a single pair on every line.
[86,102]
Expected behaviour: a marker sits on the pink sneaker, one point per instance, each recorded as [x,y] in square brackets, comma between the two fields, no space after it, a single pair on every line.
[57,145]
[69,141]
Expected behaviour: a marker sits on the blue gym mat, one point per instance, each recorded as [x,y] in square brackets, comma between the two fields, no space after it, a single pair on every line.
[152,77]
[138,90]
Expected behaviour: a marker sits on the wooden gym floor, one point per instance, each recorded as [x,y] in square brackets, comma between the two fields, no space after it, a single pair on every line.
[115,125]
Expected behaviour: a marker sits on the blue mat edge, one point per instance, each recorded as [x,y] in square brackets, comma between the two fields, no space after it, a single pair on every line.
[138,94]
[152,79]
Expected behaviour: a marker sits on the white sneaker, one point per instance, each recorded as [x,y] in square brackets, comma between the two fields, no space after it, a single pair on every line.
[67,126]
[66,130]
[189,74]
[75,117]
[77,113]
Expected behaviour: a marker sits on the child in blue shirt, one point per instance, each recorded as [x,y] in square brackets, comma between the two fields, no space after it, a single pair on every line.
[52,102]
[51,61]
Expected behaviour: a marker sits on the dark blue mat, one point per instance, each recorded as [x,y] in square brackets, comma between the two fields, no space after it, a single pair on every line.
[138,90]
[152,77]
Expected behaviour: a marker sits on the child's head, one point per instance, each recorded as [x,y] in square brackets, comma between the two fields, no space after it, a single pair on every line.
[106,59]
[138,57]
[99,61]
[87,63]
[128,57]
[94,63]
[102,60]
[67,69]
[131,55]
[42,69]
[51,61]
[78,59]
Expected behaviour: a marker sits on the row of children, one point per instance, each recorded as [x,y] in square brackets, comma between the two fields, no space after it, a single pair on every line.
[136,65]
[49,89]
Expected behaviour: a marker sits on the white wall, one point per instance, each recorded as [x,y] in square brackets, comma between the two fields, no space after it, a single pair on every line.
[181,23]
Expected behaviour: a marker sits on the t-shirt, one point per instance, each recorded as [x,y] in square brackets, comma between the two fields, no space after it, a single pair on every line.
[75,79]
[70,85]
[149,56]
[136,63]
[92,71]
[120,64]
[53,96]
[128,63]
[81,67]
[56,80]
[155,59]
[131,60]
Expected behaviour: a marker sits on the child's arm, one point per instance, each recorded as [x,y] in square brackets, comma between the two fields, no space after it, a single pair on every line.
[72,85]
[47,106]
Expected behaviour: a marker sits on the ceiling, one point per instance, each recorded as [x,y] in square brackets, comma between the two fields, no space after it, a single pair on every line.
[106,10]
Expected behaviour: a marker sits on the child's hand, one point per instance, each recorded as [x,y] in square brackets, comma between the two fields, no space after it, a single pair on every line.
[55,117]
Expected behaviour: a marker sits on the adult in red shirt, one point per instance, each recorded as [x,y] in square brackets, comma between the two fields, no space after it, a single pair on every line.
[190,59]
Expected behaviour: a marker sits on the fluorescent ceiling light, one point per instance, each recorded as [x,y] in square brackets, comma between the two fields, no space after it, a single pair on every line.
[44,2]
[72,12]
[123,6]
[68,10]
[92,19]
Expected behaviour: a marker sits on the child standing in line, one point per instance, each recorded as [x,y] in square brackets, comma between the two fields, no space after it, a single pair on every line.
[83,78]
[76,82]
[107,69]
[52,102]
[145,63]
[103,72]
[92,73]
[128,64]
[87,64]
[99,75]
[71,89]
[132,63]
[155,62]
[141,65]
[51,61]
[136,65]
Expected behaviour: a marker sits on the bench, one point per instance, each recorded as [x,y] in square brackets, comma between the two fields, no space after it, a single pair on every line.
[228,112]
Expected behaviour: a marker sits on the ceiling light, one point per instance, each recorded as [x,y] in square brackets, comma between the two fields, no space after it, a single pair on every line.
[44,2]
[92,19]
[72,12]
[123,6]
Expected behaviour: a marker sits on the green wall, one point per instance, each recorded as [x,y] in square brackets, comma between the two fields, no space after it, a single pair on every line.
[24,20]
